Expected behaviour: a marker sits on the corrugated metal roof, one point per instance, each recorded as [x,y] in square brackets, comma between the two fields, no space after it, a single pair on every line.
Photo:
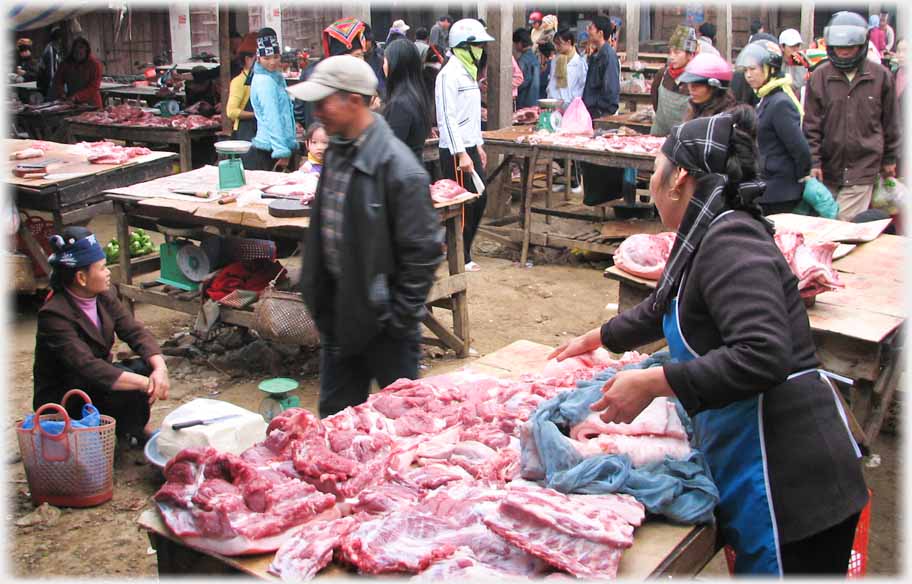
[29,16]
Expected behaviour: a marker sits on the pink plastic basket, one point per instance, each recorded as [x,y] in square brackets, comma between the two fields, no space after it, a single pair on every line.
[74,468]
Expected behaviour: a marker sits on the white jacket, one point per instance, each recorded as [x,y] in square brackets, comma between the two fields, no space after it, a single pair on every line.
[458,102]
[576,80]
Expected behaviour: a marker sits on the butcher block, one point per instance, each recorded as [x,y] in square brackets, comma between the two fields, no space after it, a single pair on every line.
[659,548]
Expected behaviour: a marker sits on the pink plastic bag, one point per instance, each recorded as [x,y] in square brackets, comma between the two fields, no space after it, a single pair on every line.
[576,120]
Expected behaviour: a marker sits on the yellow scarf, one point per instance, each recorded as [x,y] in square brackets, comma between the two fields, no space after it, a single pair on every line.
[784,83]
[560,70]
[469,58]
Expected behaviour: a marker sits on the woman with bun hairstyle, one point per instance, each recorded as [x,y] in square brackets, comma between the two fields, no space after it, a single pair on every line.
[77,326]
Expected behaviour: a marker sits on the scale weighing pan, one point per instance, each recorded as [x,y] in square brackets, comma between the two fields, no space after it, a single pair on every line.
[549,103]
[288,208]
[232,146]
[152,454]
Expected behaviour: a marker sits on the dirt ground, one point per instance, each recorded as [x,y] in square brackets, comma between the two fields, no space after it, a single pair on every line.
[545,304]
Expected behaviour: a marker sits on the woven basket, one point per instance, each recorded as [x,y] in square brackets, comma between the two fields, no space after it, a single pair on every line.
[74,468]
[283,317]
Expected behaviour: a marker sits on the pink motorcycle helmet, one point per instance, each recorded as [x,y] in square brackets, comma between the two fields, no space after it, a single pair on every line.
[709,69]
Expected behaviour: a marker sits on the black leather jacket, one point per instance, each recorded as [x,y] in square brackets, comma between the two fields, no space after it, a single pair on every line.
[391,247]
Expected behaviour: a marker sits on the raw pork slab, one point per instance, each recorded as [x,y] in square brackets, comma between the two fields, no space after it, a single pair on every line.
[660,418]
[644,255]
[310,549]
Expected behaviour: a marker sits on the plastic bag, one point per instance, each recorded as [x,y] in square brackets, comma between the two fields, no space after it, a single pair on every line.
[90,419]
[576,120]
[889,195]
[819,198]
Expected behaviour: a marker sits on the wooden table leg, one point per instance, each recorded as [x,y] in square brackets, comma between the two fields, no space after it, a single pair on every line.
[527,209]
[549,182]
[34,248]
[883,391]
[123,237]
[58,221]
[186,158]
[568,180]
[456,265]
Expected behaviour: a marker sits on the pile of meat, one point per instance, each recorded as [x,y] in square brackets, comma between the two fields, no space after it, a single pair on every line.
[446,190]
[422,478]
[298,185]
[812,263]
[640,144]
[128,115]
[526,115]
[110,153]
[35,150]
[644,255]
[53,106]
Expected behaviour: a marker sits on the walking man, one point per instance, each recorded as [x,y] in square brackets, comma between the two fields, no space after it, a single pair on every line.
[374,241]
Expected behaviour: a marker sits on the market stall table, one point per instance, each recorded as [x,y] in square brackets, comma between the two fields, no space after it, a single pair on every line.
[73,190]
[659,549]
[28,87]
[148,204]
[503,142]
[146,93]
[633,99]
[77,130]
[616,121]
[46,125]
[856,328]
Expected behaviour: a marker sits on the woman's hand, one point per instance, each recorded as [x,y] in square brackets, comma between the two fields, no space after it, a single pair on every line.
[628,393]
[578,346]
[159,384]
[281,164]
[484,157]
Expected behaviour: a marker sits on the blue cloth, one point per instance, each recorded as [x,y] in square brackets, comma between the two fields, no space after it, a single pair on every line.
[274,113]
[732,440]
[818,199]
[90,419]
[680,490]
[77,253]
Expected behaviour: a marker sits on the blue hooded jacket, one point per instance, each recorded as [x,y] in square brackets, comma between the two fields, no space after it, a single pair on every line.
[274,113]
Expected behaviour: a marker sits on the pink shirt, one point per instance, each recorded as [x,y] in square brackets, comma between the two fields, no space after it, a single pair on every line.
[89,306]
[517,77]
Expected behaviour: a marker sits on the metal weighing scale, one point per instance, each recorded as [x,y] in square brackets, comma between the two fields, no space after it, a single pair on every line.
[550,117]
[168,108]
[277,398]
[231,168]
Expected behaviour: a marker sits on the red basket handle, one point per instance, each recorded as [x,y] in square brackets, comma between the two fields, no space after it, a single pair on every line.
[77,392]
[66,422]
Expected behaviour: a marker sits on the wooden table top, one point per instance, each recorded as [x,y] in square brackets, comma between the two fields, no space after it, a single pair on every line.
[72,166]
[657,546]
[871,306]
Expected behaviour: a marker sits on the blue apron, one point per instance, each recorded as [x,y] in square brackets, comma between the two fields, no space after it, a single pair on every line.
[731,438]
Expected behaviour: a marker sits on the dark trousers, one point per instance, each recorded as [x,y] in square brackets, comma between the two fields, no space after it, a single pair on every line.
[263,160]
[345,380]
[774,208]
[826,552]
[474,211]
[129,408]
[601,183]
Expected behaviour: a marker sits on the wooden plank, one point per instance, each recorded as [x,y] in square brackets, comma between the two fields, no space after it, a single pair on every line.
[449,340]
[34,248]
[87,213]
[227,315]
[519,357]
[885,255]
[21,268]
[447,286]
[138,266]
[884,390]
[626,228]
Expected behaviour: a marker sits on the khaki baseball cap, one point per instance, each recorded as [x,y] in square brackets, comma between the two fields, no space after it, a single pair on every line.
[340,73]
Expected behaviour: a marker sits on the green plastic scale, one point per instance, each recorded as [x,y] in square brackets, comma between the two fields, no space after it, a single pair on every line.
[231,168]
[549,118]
[277,398]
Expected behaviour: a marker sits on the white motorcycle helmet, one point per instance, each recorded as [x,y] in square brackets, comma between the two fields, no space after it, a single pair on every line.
[468,31]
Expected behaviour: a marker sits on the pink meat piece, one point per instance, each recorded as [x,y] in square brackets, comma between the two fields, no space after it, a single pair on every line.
[446,190]
[812,263]
[434,475]
[401,541]
[659,418]
[310,549]
[387,497]
[26,154]
[644,255]
[642,450]
[222,503]
[417,422]
[41,145]
[626,506]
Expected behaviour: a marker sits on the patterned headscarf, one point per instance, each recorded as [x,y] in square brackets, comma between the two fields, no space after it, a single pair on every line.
[549,22]
[701,147]
[342,35]
[267,43]
[75,252]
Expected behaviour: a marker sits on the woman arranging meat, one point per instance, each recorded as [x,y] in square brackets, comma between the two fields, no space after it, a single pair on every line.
[768,422]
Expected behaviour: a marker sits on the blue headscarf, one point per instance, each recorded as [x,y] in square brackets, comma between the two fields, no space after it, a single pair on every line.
[75,252]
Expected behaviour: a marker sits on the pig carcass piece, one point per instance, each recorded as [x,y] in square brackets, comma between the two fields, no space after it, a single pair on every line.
[110,153]
[812,263]
[644,255]
[446,190]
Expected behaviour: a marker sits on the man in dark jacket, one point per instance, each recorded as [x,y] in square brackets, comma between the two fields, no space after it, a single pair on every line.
[850,117]
[50,61]
[527,92]
[374,57]
[374,241]
[601,95]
